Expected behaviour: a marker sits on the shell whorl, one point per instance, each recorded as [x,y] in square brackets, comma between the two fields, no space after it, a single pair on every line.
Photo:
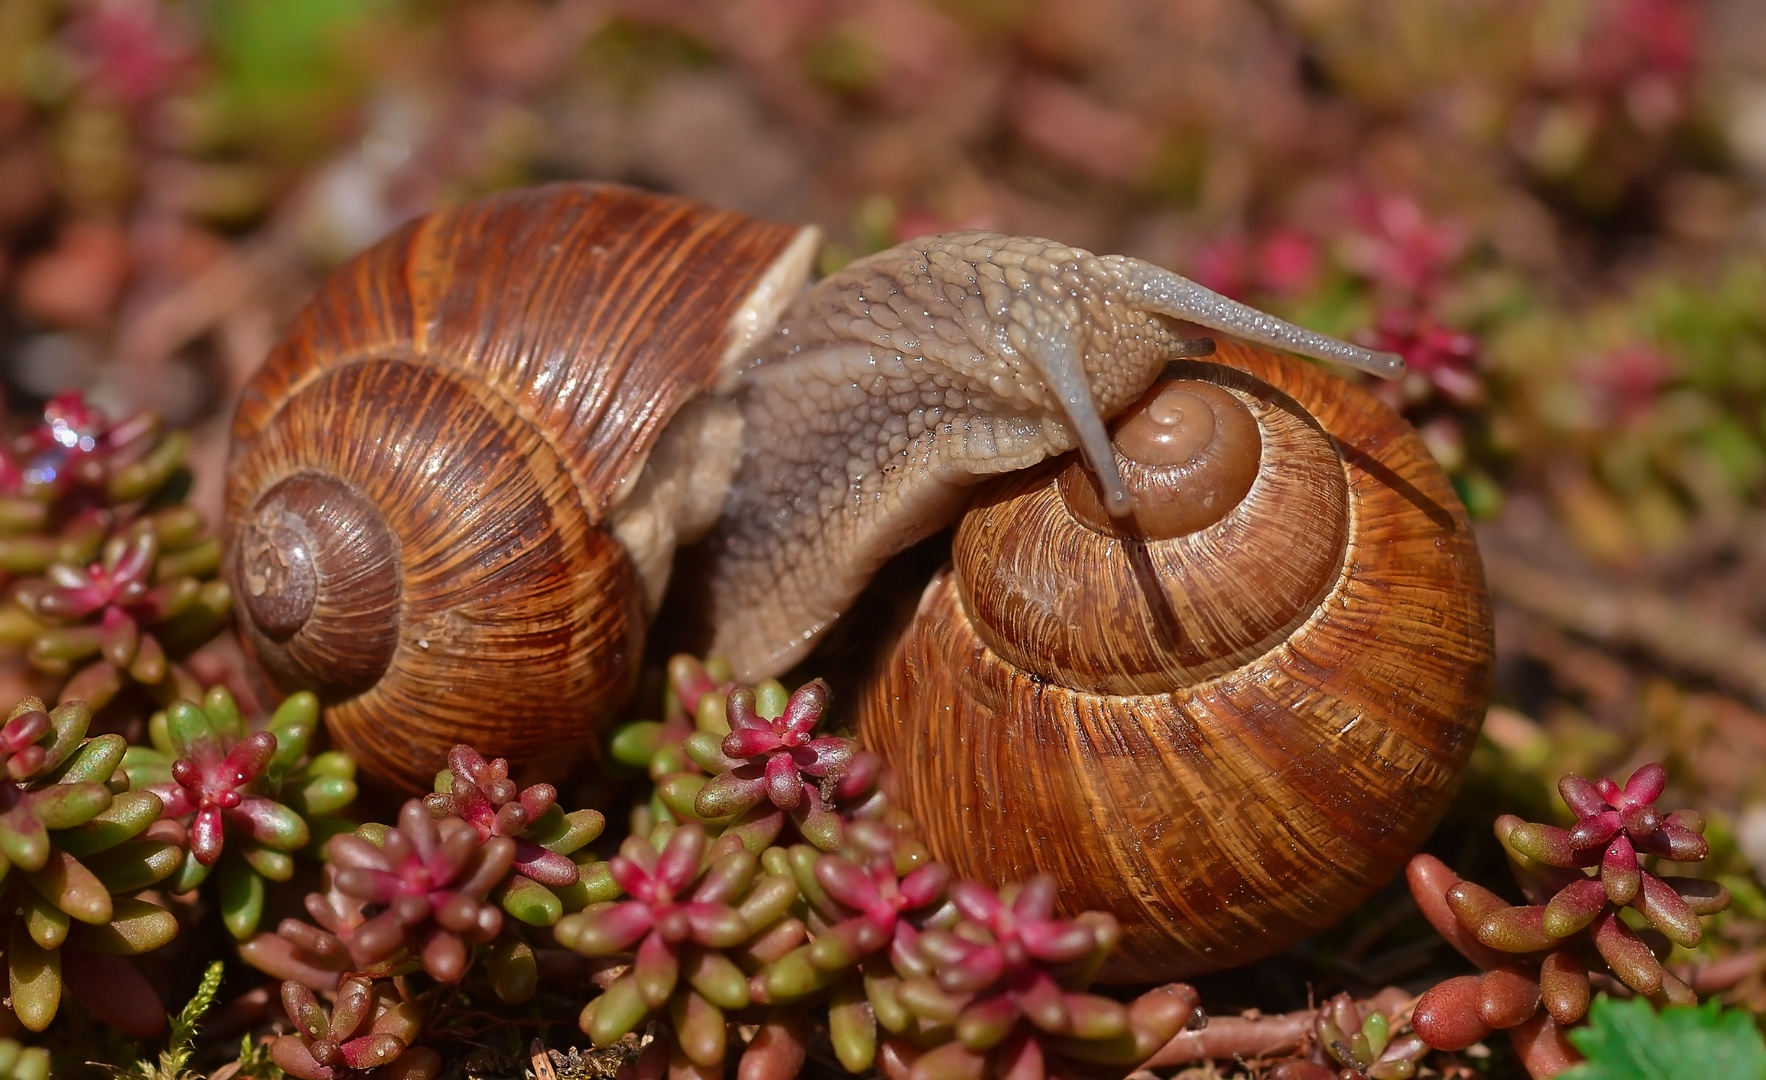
[1226,794]
[419,602]
[1034,556]
[425,469]
[311,541]
[898,383]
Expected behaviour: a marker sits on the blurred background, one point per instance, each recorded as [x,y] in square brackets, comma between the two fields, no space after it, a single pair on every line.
[1555,209]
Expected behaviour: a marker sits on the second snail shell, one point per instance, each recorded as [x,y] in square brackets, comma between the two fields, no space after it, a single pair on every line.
[1229,737]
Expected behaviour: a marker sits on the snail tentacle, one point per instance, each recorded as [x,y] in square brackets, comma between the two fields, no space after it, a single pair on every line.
[895,385]
[1060,356]
[1158,289]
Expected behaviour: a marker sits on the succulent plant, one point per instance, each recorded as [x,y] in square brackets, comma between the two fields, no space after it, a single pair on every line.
[1001,993]
[877,899]
[417,893]
[367,1031]
[547,881]
[694,700]
[76,447]
[858,905]
[1365,1046]
[216,776]
[78,844]
[19,1062]
[769,766]
[1578,881]
[120,619]
[118,588]
[692,925]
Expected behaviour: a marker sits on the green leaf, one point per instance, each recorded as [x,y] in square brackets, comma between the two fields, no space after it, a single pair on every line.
[223,713]
[95,761]
[192,731]
[128,815]
[242,897]
[135,865]
[635,743]
[136,927]
[35,976]
[529,901]
[321,795]
[1630,1040]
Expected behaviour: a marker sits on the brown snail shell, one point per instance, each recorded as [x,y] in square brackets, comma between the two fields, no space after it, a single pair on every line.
[424,470]
[1228,736]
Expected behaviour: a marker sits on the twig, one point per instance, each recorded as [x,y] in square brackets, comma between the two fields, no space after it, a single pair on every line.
[184,314]
[1675,633]
[1231,1037]
[1720,975]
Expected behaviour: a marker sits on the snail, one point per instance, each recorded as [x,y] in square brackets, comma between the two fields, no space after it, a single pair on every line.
[438,513]
[1228,725]
[457,487]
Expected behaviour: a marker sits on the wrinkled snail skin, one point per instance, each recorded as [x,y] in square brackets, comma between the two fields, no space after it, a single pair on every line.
[1228,734]
[435,512]
[897,384]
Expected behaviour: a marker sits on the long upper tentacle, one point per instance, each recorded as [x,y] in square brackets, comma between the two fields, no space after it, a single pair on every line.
[896,383]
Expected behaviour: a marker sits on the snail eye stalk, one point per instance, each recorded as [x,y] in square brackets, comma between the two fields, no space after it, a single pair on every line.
[1157,289]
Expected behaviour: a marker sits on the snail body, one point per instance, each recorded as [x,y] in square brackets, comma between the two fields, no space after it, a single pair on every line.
[1227,728]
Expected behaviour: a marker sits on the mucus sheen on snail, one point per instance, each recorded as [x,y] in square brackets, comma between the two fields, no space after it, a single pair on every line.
[459,482]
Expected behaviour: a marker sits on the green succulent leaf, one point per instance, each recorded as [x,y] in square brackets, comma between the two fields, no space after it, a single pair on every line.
[294,722]
[223,713]
[332,763]
[190,729]
[23,839]
[678,793]
[529,901]
[47,924]
[96,761]
[69,722]
[135,865]
[514,971]
[63,806]
[635,743]
[594,886]
[566,833]
[272,864]
[70,886]
[147,765]
[136,926]
[242,897]
[321,794]
[191,874]
[128,814]
[35,976]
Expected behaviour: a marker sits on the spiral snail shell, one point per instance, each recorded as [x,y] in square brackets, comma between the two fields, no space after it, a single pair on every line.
[1228,726]
[458,486]
[433,514]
